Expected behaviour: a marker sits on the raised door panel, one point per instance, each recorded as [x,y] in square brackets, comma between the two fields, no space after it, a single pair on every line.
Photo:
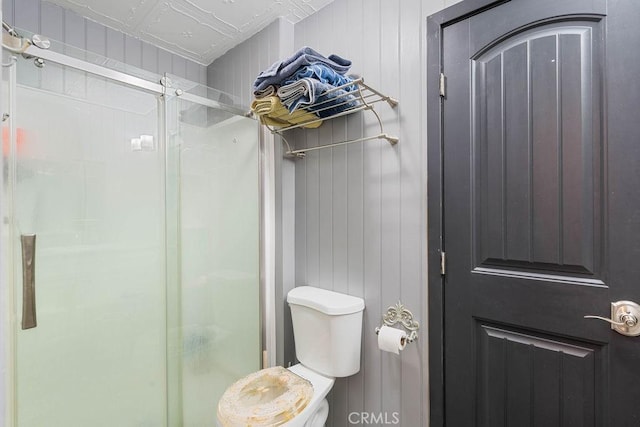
[525,379]
[536,149]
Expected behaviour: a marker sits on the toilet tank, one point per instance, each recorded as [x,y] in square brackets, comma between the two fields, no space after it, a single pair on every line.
[327,329]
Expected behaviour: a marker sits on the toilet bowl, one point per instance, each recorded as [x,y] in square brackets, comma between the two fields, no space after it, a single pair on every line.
[293,397]
[327,328]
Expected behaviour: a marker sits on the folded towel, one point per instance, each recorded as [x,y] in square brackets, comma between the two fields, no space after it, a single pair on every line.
[323,74]
[292,91]
[281,70]
[324,100]
[273,113]
[268,91]
[314,87]
[333,102]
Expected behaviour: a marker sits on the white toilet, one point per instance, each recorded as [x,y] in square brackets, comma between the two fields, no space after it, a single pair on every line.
[327,328]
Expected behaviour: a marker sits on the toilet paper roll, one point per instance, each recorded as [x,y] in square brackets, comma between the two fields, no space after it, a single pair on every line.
[392,339]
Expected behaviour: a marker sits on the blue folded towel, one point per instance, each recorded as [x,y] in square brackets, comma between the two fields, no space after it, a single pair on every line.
[313,88]
[331,102]
[282,70]
[321,73]
[317,97]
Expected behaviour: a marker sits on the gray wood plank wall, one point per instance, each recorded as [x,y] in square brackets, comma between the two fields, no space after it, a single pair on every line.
[65,26]
[360,208]
[360,219]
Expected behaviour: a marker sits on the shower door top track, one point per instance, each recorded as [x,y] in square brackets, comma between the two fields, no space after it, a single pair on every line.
[127,79]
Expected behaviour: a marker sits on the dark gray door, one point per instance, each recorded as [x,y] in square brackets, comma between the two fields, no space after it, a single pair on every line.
[541,223]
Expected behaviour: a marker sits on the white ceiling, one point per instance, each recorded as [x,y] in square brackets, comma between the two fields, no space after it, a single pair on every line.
[201,30]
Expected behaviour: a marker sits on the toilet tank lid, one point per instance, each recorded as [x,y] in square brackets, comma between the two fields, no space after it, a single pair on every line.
[327,302]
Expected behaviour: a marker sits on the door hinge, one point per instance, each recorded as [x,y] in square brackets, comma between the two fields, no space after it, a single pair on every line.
[443,263]
[442,85]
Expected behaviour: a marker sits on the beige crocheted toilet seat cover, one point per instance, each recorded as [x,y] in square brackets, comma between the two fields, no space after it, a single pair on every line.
[269,397]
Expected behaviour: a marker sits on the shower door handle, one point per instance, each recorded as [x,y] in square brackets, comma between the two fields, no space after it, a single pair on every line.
[28,243]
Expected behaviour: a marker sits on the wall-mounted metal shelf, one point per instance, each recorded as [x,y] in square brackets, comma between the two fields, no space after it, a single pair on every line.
[345,102]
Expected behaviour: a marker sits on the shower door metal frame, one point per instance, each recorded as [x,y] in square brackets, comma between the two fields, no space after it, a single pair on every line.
[7,290]
[267,209]
[158,88]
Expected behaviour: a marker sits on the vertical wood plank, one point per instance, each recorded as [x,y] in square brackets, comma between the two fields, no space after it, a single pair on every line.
[248,72]
[75,38]
[74,30]
[316,209]
[319,23]
[179,66]
[228,75]
[203,75]
[372,220]
[8,9]
[341,393]
[412,240]
[280,47]
[115,45]
[96,43]
[325,209]
[165,62]
[339,184]
[52,25]
[133,51]
[193,72]
[96,37]
[390,198]
[215,76]
[150,58]
[301,216]
[355,200]
[238,86]
[312,195]
[27,15]
[212,73]
[302,138]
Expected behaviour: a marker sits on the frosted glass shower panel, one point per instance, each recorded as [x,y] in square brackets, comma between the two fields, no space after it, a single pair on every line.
[98,355]
[219,256]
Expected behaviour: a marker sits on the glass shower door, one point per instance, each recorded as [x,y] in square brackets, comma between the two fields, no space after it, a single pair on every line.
[86,177]
[215,154]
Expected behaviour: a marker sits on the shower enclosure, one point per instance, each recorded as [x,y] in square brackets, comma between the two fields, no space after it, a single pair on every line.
[130,245]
